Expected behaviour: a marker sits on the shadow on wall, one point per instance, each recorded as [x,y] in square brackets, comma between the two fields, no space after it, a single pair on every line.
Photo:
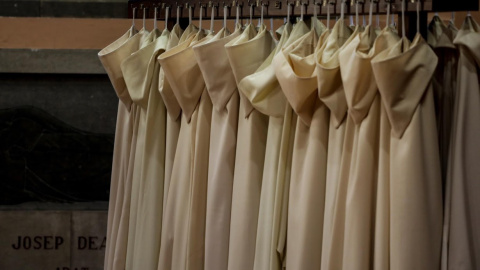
[44,159]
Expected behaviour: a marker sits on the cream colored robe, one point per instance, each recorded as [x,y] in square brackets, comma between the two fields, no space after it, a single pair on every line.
[143,69]
[265,94]
[403,74]
[296,72]
[222,89]
[124,151]
[173,115]
[340,140]
[246,53]
[134,87]
[364,107]
[462,214]
[183,232]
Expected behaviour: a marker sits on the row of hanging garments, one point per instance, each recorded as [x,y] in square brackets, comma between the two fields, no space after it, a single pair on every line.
[324,149]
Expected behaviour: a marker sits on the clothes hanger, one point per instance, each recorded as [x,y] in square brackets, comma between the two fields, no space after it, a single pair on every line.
[212,17]
[418,17]
[302,8]
[190,11]
[155,26]
[133,17]
[289,10]
[388,14]
[328,13]
[251,14]
[356,13]
[237,18]
[261,13]
[342,17]
[144,18]
[225,11]
[178,16]
[167,9]
[200,18]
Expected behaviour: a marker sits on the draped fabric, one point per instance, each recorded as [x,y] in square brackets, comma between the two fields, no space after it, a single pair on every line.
[264,92]
[173,115]
[364,107]
[183,235]
[295,70]
[440,38]
[415,176]
[124,150]
[222,90]
[462,214]
[246,53]
[148,187]
[344,148]
[332,94]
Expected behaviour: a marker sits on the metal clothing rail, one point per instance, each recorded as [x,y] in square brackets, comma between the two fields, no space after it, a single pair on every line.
[279,8]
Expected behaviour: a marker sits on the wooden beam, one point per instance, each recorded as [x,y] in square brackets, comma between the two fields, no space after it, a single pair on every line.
[64,8]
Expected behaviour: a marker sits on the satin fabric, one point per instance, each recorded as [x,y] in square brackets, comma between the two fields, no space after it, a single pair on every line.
[340,139]
[263,90]
[461,241]
[142,70]
[173,115]
[246,53]
[133,87]
[183,232]
[440,38]
[124,150]
[222,89]
[296,72]
[363,194]
[415,176]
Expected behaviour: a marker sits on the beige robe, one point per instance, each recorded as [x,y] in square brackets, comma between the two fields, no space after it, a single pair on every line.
[364,107]
[246,53]
[340,139]
[462,215]
[124,151]
[133,87]
[183,232]
[265,94]
[440,38]
[143,69]
[173,115]
[296,72]
[222,89]
[403,74]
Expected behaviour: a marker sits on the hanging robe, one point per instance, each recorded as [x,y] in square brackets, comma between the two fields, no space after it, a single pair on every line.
[295,70]
[246,53]
[340,139]
[124,150]
[222,89]
[462,214]
[173,115]
[183,232]
[403,74]
[263,91]
[143,70]
[364,107]
[440,38]
[131,80]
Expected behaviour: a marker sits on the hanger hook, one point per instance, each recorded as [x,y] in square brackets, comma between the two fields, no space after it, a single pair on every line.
[133,17]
